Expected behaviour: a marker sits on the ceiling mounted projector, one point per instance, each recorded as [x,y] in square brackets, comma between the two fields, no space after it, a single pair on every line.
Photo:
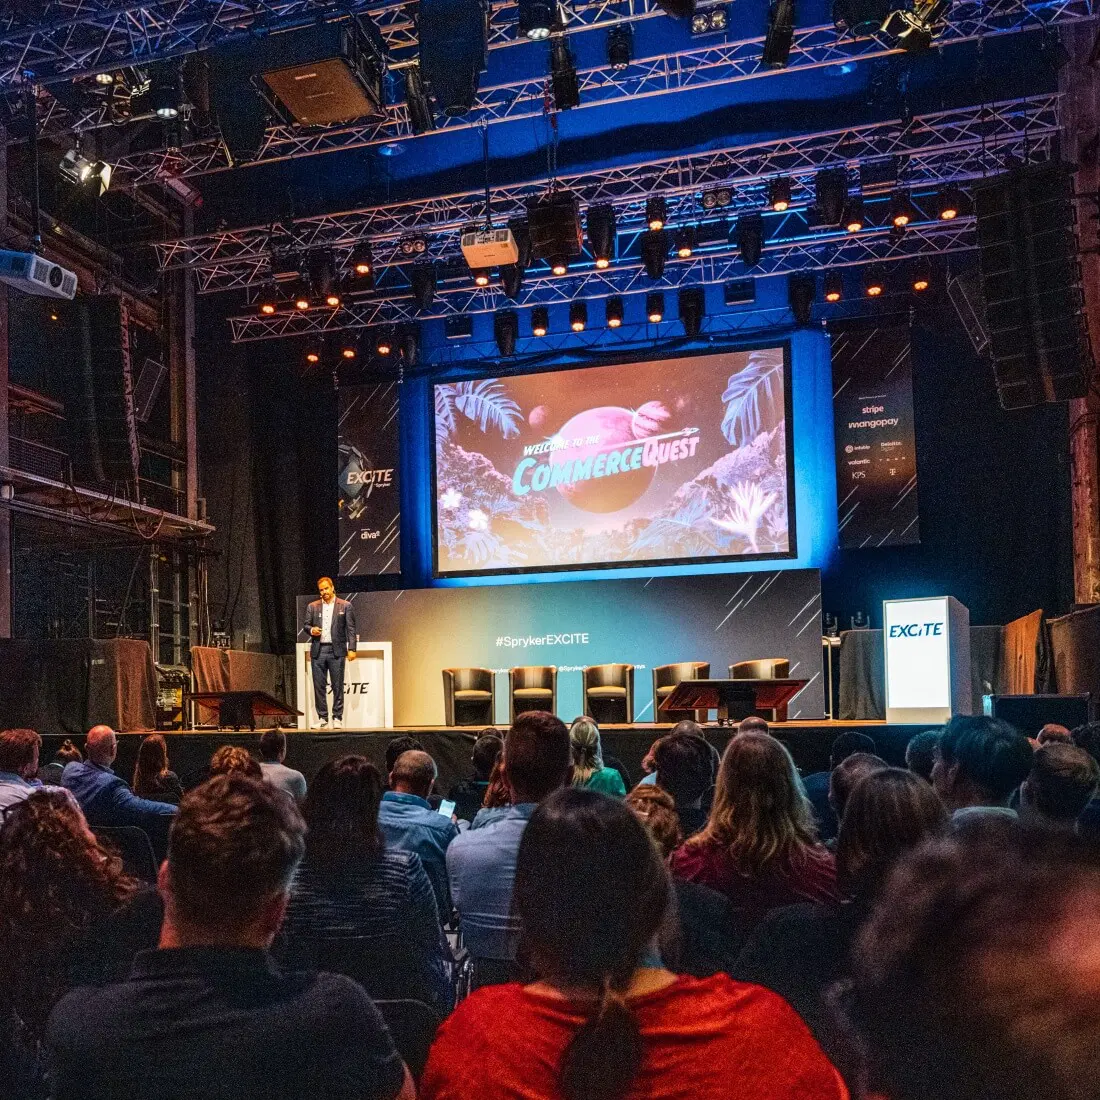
[489,247]
[33,274]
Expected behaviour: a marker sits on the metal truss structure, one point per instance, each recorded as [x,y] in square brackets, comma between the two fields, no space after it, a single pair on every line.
[699,67]
[948,145]
[831,250]
[70,38]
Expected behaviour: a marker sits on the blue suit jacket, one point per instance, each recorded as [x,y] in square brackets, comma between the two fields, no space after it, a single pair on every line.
[344,634]
[107,800]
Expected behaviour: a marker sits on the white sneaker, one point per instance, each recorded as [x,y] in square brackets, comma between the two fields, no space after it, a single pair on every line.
[323,724]
[337,723]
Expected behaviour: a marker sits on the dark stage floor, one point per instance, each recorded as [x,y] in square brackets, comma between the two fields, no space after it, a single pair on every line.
[190,750]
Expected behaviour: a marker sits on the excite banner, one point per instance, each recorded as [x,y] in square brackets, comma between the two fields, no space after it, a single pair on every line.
[876,459]
[370,501]
[677,459]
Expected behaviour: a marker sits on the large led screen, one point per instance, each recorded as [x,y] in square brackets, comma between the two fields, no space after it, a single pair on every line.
[663,460]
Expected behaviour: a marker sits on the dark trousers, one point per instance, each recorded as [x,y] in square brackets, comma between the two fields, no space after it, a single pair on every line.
[326,663]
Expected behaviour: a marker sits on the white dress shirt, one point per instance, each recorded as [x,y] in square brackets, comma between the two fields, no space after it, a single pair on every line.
[327,611]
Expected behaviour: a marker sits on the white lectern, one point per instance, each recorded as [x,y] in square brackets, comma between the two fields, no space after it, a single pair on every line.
[368,688]
[926,643]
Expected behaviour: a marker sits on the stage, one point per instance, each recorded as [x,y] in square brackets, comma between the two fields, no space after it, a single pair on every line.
[189,751]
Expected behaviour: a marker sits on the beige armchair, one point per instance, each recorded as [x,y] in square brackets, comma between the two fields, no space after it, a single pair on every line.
[665,680]
[533,687]
[609,693]
[469,696]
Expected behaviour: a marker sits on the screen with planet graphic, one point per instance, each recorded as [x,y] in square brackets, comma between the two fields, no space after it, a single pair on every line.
[665,460]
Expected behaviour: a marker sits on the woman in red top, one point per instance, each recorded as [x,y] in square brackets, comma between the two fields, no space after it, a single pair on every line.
[606,1021]
[759,847]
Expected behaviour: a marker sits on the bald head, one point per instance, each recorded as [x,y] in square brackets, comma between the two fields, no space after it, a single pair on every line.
[101,746]
[413,773]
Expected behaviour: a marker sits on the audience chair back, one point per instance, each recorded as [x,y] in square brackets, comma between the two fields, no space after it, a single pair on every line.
[665,680]
[469,696]
[609,693]
[533,687]
[134,846]
[412,1026]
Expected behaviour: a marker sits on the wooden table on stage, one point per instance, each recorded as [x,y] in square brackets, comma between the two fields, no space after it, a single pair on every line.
[241,708]
[735,699]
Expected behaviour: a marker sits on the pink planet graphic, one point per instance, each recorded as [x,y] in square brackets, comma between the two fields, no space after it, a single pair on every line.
[538,416]
[611,425]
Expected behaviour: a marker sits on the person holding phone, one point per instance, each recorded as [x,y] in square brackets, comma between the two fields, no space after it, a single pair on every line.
[330,622]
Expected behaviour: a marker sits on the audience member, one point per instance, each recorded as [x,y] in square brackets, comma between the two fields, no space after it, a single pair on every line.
[58,889]
[920,753]
[273,766]
[1087,737]
[234,758]
[209,1014]
[1052,732]
[844,777]
[468,795]
[19,751]
[977,976]
[706,938]
[481,863]
[153,778]
[759,847]
[683,763]
[498,797]
[606,1019]
[588,765]
[1062,781]
[409,823]
[979,764]
[106,799]
[404,742]
[50,773]
[358,906]
[800,951]
[816,784]
[753,724]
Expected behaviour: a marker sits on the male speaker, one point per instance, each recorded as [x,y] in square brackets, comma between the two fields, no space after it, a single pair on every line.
[330,622]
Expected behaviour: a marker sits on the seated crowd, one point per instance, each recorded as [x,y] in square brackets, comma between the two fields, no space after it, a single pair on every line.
[726,927]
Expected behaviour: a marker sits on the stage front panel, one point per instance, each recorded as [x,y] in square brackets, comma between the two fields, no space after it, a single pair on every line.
[720,618]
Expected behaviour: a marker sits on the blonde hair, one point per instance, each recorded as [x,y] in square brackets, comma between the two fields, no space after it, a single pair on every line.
[760,813]
[587,753]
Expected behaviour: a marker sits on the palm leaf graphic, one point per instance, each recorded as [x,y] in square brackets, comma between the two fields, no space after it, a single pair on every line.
[753,398]
[487,403]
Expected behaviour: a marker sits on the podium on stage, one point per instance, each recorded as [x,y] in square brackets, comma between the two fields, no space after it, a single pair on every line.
[735,699]
[368,688]
[240,709]
[926,644]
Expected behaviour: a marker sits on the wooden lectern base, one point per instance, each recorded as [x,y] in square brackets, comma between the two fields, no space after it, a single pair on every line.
[237,709]
[735,699]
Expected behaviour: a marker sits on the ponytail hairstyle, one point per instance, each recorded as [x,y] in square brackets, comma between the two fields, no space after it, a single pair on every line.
[591,892]
[587,753]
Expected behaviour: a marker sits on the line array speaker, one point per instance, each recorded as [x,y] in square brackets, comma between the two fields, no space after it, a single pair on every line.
[1031,284]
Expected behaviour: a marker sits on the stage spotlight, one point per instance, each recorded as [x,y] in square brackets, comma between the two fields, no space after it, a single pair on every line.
[453,51]
[901,209]
[559,265]
[601,234]
[922,276]
[693,308]
[481,276]
[749,234]
[915,29]
[384,343]
[301,302]
[717,198]
[166,91]
[831,195]
[413,246]
[105,80]
[655,307]
[362,258]
[949,202]
[779,194]
[780,36]
[332,300]
[711,21]
[521,232]
[410,346]
[801,289]
[313,357]
[578,316]
[614,312]
[620,46]
[685,241]
[563,76]
[540,321]
[853,214]
[536,17]
[872,283]
[834,286]
[418,102]
[267,307]
[423,279]
[654,250]
[321,275]
[656,212]
[511,280]
[505,331]
[347,351]
[75,167]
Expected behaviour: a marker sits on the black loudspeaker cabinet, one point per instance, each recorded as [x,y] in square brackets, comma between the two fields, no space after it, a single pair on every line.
[1031,283]
[1029,713]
